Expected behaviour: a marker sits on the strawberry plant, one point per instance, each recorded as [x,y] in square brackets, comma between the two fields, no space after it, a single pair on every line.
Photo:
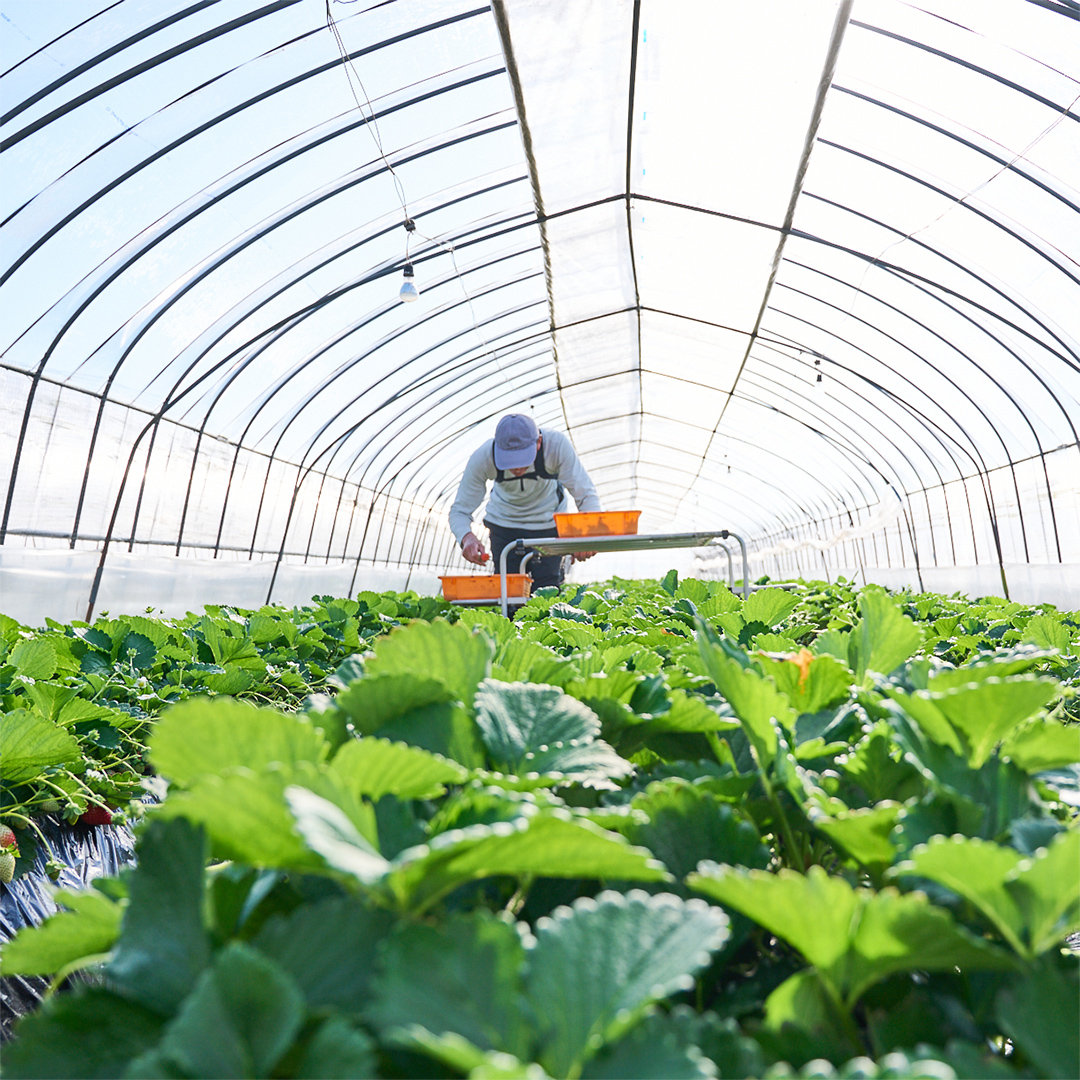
[645,828]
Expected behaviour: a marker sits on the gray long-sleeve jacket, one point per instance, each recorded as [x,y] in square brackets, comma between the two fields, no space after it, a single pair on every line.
[529,501]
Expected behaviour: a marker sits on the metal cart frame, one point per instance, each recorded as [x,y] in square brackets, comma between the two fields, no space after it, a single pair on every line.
[567,545]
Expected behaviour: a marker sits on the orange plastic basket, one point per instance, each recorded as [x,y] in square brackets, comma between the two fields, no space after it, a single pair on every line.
[605,523]
[482,586]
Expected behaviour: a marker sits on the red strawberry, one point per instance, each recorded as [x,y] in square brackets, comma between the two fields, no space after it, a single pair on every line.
[7,866]
[7,837]
[97,815]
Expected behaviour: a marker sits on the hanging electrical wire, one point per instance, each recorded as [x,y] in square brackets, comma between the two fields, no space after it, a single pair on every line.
[409,291]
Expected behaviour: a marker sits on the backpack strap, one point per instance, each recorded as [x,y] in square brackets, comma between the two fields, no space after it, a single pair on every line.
[539,472]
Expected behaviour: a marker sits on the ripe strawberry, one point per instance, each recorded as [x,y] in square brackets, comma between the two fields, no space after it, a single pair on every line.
[97,815]
[7,867]
[7,837]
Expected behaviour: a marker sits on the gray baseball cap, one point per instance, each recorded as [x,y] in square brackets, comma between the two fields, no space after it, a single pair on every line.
[515,442]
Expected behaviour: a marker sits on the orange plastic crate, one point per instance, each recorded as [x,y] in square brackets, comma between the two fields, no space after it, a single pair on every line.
[605,523]
[482,586]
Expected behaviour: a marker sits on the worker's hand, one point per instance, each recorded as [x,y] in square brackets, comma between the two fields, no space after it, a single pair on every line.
[581,556]
[473,550]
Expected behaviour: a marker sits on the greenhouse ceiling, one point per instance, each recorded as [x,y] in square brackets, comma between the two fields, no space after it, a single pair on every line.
[807,270]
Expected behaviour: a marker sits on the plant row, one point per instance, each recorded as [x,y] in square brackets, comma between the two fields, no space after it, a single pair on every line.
[644,829]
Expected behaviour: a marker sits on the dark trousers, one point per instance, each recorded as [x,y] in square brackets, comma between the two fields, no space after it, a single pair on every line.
[543,569]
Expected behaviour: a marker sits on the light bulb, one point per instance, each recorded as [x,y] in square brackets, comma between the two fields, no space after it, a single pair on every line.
[408,291]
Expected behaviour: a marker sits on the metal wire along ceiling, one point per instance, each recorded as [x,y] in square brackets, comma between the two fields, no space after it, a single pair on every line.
[807,270]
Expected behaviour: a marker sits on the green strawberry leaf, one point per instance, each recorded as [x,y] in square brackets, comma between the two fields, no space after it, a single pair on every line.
[336,1049]
[376,767]
[1048,632]
[854,937]
[1034,903]
[1043,745]
[89,928]
[239,1019]
[90,1033]
[329,949]
[373,701]
[769,606]
[686,824]
[437,650]
[207,737]
[138,650]
[34,658]
[539,729]
[754,699]
[163,944]
[596,967]
[1039,1014]
[812,686]
[653,1050]
[863,833]
[550,843]
[248,819]
[462,977]
[883,638]
[32,745]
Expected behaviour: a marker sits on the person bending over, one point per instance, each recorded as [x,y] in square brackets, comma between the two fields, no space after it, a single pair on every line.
[530,470]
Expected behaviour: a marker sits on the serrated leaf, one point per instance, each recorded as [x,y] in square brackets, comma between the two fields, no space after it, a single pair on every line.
[377,767]
[529,661]
[686,824]
[242,1015]
[874,768]
[445,728]
[1034,903]
[436,650]
[32,745]
[854,937]
[461,977]
[327,830]
[547,844]
[90,927]
[981,713]
[810,682]
[769,606]
[50,698]
[210,737]
[515,718]
[337,1049]
[618,685]
[373,701]
[247,818]
[595,967]
[34,658]
[163,944]
[138,650]
[883,638]
[688,712]
[754,700]
[652,1050]
[1048,632]
[1043,745]
[91,1033]
[232,679]
[1039,1014]
[863,833]
[539,729]
[329,949]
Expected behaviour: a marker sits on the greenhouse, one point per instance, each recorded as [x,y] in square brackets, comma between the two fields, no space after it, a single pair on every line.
[309,304]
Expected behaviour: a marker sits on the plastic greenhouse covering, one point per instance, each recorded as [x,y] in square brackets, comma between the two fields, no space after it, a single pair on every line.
[804,270]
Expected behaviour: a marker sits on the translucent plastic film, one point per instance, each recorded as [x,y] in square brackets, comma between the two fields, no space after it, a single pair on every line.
[792,269]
